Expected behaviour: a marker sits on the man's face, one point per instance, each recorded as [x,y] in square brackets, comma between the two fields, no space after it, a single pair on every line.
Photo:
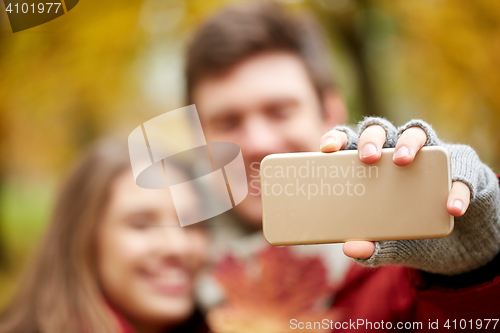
[266,105]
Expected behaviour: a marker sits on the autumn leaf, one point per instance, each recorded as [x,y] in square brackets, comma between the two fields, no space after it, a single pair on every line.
[265,292]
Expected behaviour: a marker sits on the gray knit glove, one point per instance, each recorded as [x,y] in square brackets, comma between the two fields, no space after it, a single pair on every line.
[475,239]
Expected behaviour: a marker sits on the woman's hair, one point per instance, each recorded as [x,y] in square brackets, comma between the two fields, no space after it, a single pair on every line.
[60,292]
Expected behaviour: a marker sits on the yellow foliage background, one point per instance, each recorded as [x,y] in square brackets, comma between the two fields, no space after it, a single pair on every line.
[107,66]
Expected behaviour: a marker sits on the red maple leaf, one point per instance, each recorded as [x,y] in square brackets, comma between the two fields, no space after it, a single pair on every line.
[265,292]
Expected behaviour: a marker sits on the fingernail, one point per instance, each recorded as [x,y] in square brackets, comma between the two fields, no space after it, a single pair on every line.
[326,142]
[402,151]
[368,150]
[458,204]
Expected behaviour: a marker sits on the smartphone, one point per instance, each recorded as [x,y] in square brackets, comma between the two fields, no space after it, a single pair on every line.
[317,198]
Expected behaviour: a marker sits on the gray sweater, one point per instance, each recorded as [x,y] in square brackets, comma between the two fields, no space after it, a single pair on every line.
[475,239]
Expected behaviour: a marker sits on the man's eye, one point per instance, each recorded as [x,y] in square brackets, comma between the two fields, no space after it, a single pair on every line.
[228,123]
[280,112]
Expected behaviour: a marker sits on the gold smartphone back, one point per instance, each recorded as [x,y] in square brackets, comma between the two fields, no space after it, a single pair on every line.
[315,198]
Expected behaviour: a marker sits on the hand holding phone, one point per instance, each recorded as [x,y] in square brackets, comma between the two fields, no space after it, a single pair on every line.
[313,198]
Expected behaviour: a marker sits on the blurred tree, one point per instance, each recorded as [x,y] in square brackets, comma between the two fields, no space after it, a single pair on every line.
[67,82]
[450,50]
[3,179]
[3,157]
[348,25]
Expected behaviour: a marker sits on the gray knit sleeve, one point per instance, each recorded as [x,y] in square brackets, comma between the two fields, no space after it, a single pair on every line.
[475,239]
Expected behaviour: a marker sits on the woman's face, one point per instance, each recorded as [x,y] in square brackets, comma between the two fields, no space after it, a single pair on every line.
[147,263]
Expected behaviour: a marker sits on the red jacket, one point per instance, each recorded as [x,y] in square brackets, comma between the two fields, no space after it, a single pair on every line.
[395,294]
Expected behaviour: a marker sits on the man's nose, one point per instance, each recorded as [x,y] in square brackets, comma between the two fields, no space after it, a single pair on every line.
[260,139]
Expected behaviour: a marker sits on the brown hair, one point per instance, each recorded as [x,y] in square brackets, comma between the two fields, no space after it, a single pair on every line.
[60,292]
[244,30]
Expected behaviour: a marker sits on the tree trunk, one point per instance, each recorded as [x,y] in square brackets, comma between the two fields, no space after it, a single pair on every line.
[352,25]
